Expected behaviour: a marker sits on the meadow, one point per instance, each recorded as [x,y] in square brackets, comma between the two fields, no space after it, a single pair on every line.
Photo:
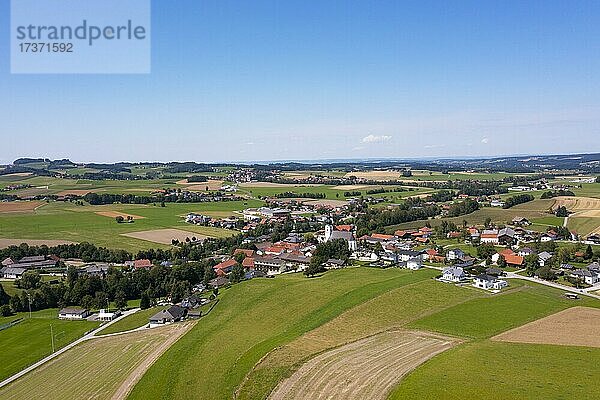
[133,321]
[68,221]
[99,368]
[254,317]
[30,341]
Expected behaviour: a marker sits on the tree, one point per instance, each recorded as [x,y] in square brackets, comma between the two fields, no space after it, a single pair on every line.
[5,310]
[30,280]
[16,304]
[562,211]
[485,251]
[120,300]
[209,274]
[145,301]
[237,273]
[4,297]
[487,222]
[501,261]
[589,253]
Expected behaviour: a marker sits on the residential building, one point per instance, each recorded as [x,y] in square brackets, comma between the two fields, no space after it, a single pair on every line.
[73,313]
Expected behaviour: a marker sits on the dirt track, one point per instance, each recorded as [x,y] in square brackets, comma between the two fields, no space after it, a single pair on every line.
[366,369]
[576,326]
[128,384]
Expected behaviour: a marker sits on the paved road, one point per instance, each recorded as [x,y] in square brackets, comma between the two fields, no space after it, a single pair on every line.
[89,335]
[512,275]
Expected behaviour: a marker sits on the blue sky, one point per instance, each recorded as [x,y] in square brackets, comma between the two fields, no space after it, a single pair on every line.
[273,80]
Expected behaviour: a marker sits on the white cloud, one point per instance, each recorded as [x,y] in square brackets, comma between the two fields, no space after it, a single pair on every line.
[485,140]
[376,139]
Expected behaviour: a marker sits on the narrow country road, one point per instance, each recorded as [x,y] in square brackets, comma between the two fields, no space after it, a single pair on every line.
[88,336]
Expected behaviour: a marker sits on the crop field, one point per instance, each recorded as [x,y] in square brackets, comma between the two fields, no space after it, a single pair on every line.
[365,369]
[19,206]
[255,317]
[391,310]
[584,225]
[576,326]
[69,222]
[577,203]
[101,368]
[30,341]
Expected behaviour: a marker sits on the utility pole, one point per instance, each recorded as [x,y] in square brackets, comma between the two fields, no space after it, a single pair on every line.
[29,297]
[52,337]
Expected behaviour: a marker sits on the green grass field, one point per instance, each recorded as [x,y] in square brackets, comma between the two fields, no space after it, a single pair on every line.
[499,371]
[30,340]
[94,369]
[253,318]
[484,317]
[390,310]
[130,322]
[66,221]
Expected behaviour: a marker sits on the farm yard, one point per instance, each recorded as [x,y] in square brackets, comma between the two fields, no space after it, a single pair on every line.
[105,367]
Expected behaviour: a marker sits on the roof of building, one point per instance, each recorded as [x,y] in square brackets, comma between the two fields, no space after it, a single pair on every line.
[73,310]
[143,263]
[485,277]
[174,312]
[349,236]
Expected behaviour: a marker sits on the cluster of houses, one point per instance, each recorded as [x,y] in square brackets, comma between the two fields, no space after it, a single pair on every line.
[205,220]
[14,269]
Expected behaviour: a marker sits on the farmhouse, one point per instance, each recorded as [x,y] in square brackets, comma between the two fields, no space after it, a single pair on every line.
[488,282]
[453,274]
[543,258]
[12,272]
[73,313]
[520,221]
[172,314]
[489,236]
[95,269]
[506,236]
[144,263]
[225,267]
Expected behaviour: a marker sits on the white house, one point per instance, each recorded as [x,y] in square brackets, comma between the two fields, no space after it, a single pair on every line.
[73,313]
[543,258]
[105,315]
[414,263]
[489,236]
[453,274]
[489,282]
[455,254]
